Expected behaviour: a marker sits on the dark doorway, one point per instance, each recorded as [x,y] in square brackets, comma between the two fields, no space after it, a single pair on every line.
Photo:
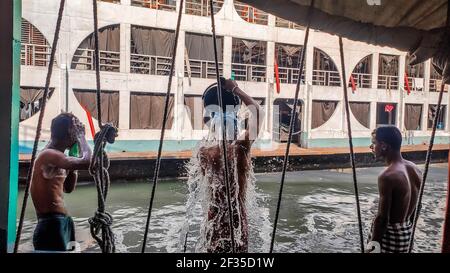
[282,118]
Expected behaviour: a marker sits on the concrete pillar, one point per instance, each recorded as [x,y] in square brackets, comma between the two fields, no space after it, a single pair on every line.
[10,22]
[125,48]
[270,83]
[374,72]
[426,90]
[373,115]
[309,59]
[402,92]
[227,55]
[177,88]
[271,20]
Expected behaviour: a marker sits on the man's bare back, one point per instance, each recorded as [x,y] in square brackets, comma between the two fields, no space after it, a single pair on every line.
[404,179]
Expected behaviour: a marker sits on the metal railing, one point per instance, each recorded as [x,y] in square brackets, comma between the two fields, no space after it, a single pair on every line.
[155,4]
[280,22]
[202,69]
[251,14]
[413,84]
[290,75]
[110,1]
[201,7]
[152,65]
[35,55]
[387,82]
[362,80]
[83,59]
[435,85]
[249,72]
[326,78]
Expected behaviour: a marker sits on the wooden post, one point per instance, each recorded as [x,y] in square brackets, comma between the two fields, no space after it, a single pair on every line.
[10,29]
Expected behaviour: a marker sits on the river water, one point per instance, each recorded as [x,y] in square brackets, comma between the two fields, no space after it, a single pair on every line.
[317,214]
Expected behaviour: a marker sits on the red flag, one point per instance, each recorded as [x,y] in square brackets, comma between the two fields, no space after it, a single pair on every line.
[352,81]
[388,108]
[407,83]
[277,76]
[91,122]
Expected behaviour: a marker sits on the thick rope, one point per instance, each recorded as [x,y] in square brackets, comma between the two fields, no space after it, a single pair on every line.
[430,147]
[350,142]
[98,168]
[224,140]
[163,129]
[97,64]
[426,169]
[291,127]
[39,125]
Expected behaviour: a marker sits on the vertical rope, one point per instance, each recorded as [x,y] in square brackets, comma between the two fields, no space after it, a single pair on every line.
[165,116]
[350,142]
[39,125]
[430,147]
[427,165]
[291,127]
[97,64]
[224,144]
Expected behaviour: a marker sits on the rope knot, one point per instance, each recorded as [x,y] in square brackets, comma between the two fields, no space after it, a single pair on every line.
[101,219]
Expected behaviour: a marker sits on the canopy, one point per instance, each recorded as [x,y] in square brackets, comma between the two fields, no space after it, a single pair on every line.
[415,26]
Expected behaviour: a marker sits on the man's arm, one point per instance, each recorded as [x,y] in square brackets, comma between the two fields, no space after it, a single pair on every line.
[60,160]
[70,182]
[255,121]
[382,219]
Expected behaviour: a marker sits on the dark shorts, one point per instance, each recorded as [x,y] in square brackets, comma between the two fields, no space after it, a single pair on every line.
[53,232]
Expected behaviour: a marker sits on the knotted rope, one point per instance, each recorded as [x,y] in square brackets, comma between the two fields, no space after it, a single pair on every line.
[102,220]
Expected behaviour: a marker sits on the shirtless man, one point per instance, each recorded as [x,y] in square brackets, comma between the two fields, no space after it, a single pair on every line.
[398,187]
[55,174]
[218,235]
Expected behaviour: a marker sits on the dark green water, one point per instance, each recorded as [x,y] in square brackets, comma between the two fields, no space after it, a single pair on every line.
[317,215]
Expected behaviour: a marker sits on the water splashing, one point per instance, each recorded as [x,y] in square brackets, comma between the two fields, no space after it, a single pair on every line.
[206,227]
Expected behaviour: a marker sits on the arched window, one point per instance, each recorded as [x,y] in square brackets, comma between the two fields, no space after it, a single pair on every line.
[282,112]
[436,81]
[287,59]
[151,50]
[109,46]
[388,72]
[31,99]
[325,71]
[200,61]
[361,76]
[249,60]
[322,111]
[415,79]
[35,48]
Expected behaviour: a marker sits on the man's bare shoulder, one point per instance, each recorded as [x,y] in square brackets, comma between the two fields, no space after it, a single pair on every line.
[47,154]
[412,166]
[390,174]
